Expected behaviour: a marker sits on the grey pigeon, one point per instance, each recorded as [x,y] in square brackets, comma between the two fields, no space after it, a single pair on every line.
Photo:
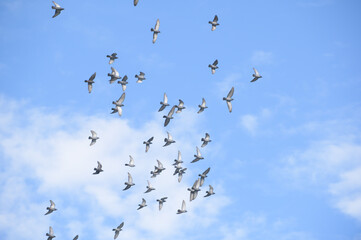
[194,190]
[117,230]
[131,162]
[209,192]
[118,105]
[129,183]
[50,234]
[179,160]
[168,141]
[149,188]
[90,82]
[157,169]
[229,98]
[57,8]
[164,103]
[214,22]
[180,106]
[155,31]
[255,75]
[140,77]
[206,140]
[93,137]
[98,169]
[213,66]
[76,237]
[147,143]
[112,57]
[161,201]
[136,2]
[180,174]
[198,156]
[51,208]
[124,82]
[203,176]
[143,204]
[154,173]
[202,106]
[114,75]
[183,208]
[169,116]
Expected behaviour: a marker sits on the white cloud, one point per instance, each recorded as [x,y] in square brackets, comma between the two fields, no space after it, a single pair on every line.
[262,57]
[250,123]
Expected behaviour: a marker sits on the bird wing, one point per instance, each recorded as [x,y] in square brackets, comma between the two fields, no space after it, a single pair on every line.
[169,136]
[131,160]
[130,179]
[215,62]
[94,134]
[121,99]
[52,204]
[207,137]
[213,27]
[183,205]
[90,87]
[180,175]
[215,19]
[160,165]
[156,28]
[155,36]
[116,234]
[92,76]
[206,171]
[229,105]
[51,231]
[162,108]
[56,5]
[150,139]
[179,156]
[111,61]
[120,226]
[203,102]
[136,2]
[146,147]
[143,202]
[230,94]
[198,152]
[181,103]
[165,99]
[76,237]
[57,12]
[92,142]
[201,182]
[120,111]
[99,165]
[256,72]
[141,74]
[171,112]
[160,205]
[210,188]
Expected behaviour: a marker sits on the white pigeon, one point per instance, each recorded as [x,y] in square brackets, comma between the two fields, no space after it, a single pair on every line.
[180,106]
[229,98]
[147,143]
[198,156]
[51,208]
[114,75]
[155,31]
[143,204]
[203,176]
[129,183]
[169,116]
[93,137]
[206,140]
[214,23]
[168,141]
[118,105]
[164,103]
[161,201]
[131,162]
[50,234]
[149,188]
[140,77]
[202,106]
[112,57]
[213,66]
[90,82]
[98,169]
[255,75]
[209,192]
[124,82]
[117,230]
[57,8]
[183,209]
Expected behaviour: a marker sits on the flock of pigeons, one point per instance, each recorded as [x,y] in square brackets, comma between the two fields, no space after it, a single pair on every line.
[179,170]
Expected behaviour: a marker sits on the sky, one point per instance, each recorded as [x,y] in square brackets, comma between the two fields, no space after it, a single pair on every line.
[285,164]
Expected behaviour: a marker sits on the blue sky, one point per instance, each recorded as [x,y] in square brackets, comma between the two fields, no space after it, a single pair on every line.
[285,164]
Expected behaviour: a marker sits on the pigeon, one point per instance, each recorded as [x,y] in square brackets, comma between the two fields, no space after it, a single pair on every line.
[149,188]
[112,57]
[194,190]
[93,137]
[136,2]
[209,192]
[214,22]
[117,230]
[124,82]
[140,77]
[161,201]
[198,156]
[255,75]
[57,8]
[118,105]
[157,169]
[129,183]
[206,140]
[169,116]
[143,204]
[98,169]
[51,208]
[154,173]
[180,174]
[50,234]
[168,141]
[203,176]
[202,106]
[183,209]
[155,31]
[147,143]
[76,237]
[131,162]
[90,82]
[229,98]
[180,106]
[164,103]
[179,160]
[213,66]
[113,76]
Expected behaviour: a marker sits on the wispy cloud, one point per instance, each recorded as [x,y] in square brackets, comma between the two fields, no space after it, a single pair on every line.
[262,57]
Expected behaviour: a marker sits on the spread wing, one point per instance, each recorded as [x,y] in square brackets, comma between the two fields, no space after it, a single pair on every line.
[52,204]
[57,12]
[198,152]
[160,165]
[229,105]
[215,19]
[99,165]
[215,62]
[206,171]
[143,201]
[203,102]
[170,114]
[179,156]
[156,28]
[51,231]
[183,205]
[121,99]
[120,226]
[130,179]
[56,5]
[230,94]
[131,160]
[90,87]
[169,136]
[165,99]
[155,36]
[92,76]
[94,134]
[136,2]
[256,72]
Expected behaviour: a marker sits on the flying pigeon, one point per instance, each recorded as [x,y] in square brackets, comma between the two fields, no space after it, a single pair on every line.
[214,22]
[183,209]
[140,77]
[124,82]
[194,190]
[57,8]
[50,234]
[179,160]
[157,169]
[136,2]
[129,183]
[112,57]
[155,31]
[180,106]
[203,176]
[213,66]
[143,204]
[118,105]
[202,106]
[229,98]
[169,116]
[117,230]
[180,174]
[149,188]
[255,75]
[98,169]
[131,162]
[90,82]
[147,143]
[161,201]
[209,192]
[93,137]
[198,156]
[51,208]
[168,141]
[164,103]
[206,140]
[113,76]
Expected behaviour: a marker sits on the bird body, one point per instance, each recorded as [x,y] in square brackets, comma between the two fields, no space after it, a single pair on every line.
[229,98]
[194,190]
[149,188]
[50,234]
[155,31]
[161,201]
[203,176]
[118,105]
